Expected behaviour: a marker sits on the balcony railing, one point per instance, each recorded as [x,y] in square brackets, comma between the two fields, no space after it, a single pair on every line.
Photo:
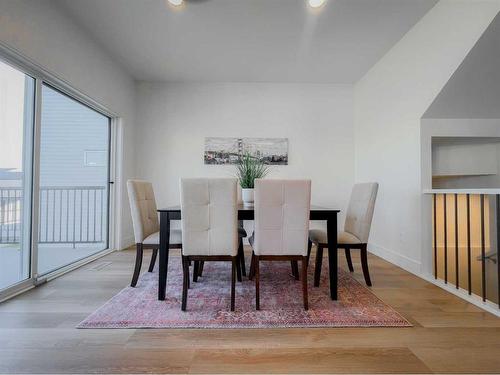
[466,237]
[67,215]
[10,214]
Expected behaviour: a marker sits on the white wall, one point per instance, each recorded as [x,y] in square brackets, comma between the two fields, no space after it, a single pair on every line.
[316,119]
[40,31]
[389,103]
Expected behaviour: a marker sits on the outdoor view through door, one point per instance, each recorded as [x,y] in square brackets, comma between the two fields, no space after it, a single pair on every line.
[74,175]
[17,93]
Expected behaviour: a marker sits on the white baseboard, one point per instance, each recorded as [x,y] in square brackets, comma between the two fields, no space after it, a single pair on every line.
[402,261]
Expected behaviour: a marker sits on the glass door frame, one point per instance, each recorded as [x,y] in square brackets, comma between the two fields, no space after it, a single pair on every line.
[41,76]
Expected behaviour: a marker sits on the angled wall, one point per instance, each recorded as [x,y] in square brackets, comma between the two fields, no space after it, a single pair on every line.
[474,89]
[390,100]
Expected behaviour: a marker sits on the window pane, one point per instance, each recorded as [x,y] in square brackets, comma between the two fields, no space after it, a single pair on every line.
[74,153]
[16,126]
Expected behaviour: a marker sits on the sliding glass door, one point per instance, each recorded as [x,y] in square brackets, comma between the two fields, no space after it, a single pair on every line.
[54,176]
[74,176]
[17,94]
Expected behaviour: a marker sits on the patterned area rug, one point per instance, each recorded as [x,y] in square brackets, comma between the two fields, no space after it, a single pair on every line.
[208,302]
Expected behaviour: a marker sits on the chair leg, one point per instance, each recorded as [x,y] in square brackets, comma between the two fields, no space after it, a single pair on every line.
[238,265]
[309,248]
[233,282]
[257,286]
[185,282]
[348,258]
[364,265]
[196,270]
[241,258]
[153,260]
[200,268]
[251,273]
[319,263]
[295,269]
[238,269]
[304,283]
[138,264]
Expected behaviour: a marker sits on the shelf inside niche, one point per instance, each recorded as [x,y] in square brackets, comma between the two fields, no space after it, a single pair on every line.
[464,175]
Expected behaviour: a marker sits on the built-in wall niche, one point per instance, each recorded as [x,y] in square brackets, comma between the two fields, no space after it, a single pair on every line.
[465,162]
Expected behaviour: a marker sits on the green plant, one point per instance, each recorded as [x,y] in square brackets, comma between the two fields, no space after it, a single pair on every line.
[248,169]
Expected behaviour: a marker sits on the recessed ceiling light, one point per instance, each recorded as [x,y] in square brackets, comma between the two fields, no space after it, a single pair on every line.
[316,3]
[176,3]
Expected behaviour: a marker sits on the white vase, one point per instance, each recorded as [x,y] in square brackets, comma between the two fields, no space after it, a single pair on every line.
[247,197]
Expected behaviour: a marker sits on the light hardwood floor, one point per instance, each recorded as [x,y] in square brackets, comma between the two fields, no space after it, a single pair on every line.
[37,333]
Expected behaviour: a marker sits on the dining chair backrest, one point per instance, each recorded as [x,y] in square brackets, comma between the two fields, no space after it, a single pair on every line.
[209,216]
[143,209]
[360,210]
[281,216]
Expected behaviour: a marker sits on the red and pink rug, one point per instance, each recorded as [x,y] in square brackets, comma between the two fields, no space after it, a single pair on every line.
[208,302]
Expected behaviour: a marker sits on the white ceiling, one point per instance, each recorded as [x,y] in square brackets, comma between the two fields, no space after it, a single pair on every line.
[247,40]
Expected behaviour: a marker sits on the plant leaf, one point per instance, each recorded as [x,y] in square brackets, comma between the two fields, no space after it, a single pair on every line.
[248,169]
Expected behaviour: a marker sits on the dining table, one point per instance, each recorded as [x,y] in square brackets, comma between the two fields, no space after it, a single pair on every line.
[247,213]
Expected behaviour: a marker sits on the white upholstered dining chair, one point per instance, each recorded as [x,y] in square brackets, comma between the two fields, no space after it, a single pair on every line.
[281,226]
[146,224]
[356,230]
[209,225]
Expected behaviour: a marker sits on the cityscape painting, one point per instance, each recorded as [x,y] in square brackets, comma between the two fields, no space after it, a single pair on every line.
[223,150]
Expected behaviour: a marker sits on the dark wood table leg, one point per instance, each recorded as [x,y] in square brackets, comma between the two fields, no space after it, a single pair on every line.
[332,254]
[163,262]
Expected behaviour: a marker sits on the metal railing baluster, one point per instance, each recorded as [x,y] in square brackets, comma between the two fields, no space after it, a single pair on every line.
[102,215]
[498,246]
[74,218]
[60,215]
[483,252]
[40,219]
[53,214]
[67,215]
[14,221]
[95,203]
[2,218]
[81,215]
[47,215]
[8,216]
[445,241]
[469,255]
[88,214]
[457,281]
[435,238]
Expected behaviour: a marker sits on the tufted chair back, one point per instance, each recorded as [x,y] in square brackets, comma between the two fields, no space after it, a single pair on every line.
[209,216]
[143,208]
[360,210]
[282,216]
